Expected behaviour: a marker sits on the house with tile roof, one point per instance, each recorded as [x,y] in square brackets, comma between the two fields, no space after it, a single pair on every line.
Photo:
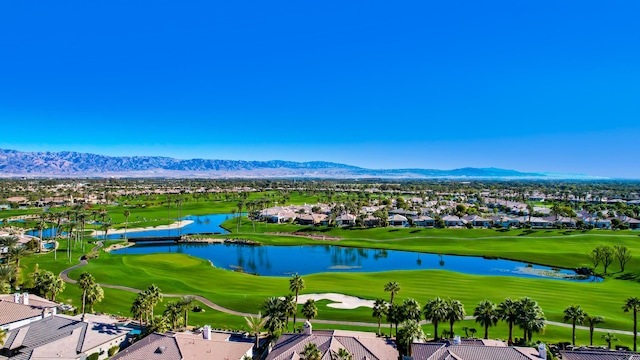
[20,309]
[361,345]
[598,354]
[63,337]
[207,344]
[473,350]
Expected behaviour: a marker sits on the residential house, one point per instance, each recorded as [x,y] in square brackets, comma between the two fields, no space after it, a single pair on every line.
[64,337]
[398,220]
[474,350]
[371,221]
[599,354]
[346,219]
[424,221]
[209,345]
[453,221]
[18,309]
[477,221]
[360,345]
[506,221]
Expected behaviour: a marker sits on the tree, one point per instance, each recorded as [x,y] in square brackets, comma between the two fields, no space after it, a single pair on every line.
[186,304]
[622,254]
[290,307]
[455,312]
[309,309]
[393,288]
[154,296]
[85,282]
[410,310]
[173,312]
[486,314]
[7,273]
[409,332]
[530,318]
[435,310]
[379,309]
[3,336]
[632,304]
[15,254]
[311,352]
[296,284]
[127,213]
[608,337]
[274,311]
[593,321]
[105,227]
[95,294]
[342,354]
[393,317]
[576,315]
[508,312]
[255,325]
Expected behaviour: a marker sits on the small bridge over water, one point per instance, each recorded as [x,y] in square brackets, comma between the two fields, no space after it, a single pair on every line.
[162,239]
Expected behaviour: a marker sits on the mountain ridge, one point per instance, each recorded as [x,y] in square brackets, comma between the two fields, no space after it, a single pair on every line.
[77,164]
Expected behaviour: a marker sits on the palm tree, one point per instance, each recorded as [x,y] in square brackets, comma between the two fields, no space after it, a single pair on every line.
[40,226]
[3,336]
[342,354]
[455,312]
[127,213]
[296,284]
[632,304]
[16,253]
[530,317]
[593,321]
[508,311]
[7,273]
[608,337]
[85,282]
[309,309]
[290,307]
[311,352]
[105,227]
[393,317]
[95,294]
[173,312]
[154,297]
[486,314]
[138,308]
[379,309]
[410,310]
[435,310]
[186,304]
[576,315]
[410,331]
[255,326]
[393,288]
[274,311]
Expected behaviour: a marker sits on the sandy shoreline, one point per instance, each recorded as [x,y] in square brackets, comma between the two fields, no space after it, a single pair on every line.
[175,225]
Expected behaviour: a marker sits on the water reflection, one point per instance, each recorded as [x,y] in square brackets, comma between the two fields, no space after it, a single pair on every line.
[286,260]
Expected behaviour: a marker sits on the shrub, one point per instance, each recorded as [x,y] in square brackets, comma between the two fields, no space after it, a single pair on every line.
[93,356]
[113,350]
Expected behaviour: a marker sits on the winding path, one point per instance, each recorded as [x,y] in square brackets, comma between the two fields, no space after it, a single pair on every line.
[65,276]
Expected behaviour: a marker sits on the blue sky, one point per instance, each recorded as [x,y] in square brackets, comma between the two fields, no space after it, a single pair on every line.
[531,86]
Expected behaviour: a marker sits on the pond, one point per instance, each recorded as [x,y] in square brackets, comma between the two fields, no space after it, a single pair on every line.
[202,224]
[309,259]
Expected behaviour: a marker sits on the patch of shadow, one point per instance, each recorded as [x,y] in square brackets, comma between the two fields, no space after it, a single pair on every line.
[393,230]
[503,230]
[415,231]
[629,276]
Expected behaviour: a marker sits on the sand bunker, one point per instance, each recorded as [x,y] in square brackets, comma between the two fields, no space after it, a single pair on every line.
[340,301]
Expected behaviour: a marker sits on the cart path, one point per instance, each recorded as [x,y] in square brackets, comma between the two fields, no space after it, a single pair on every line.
[65,276]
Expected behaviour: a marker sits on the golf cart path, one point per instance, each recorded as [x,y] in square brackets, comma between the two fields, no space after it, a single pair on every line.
[65,276]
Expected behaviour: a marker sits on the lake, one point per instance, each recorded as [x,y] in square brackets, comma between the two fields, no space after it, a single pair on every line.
[309,259]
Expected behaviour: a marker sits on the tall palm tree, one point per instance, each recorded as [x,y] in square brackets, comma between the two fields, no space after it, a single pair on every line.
[435,310]
[455,312]
[154,296]
[40,226]
[576,315]
[342,354]
[593,321]
[379,309]
[508,311]
[105,227]
[486,314]
[393,288]
[411,330]
[632,304]
[7,273]
[186,304]
[16,253]
[173,312]
[530,317]
[296,284]
[393,318]
[290,307]
[255,325]
[309,309]
[95,294]
[127,213]
[274,311]
[410,310]
[85,281]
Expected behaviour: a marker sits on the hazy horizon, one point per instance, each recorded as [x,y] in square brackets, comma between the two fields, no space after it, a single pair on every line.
[529,87]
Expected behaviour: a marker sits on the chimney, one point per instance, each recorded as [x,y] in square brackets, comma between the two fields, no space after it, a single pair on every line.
[542,351]
[16,298]
[206,332]
[308,328]
[25,298]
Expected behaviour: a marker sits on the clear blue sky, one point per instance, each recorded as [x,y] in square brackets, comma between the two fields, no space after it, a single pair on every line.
[525,85]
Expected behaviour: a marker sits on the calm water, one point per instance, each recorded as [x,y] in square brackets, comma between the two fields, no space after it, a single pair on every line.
[201,224]
[309,259]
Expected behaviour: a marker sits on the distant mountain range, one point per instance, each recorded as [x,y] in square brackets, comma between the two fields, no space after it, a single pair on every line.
[73,164]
